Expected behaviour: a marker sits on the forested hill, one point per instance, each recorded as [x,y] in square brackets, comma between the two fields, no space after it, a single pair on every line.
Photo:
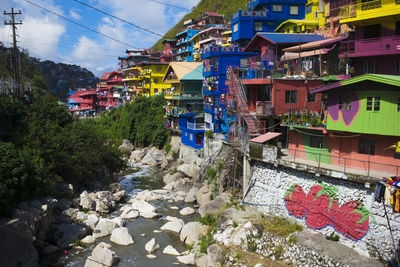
[223,7]
[56,77]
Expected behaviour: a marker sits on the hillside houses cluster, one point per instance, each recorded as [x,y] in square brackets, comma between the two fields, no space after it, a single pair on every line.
[319,79]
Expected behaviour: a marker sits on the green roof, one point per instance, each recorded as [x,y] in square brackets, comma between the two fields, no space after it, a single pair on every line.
[196,74]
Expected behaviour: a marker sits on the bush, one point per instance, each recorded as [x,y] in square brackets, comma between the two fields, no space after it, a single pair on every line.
[209,134]
[280,227]
[208,220]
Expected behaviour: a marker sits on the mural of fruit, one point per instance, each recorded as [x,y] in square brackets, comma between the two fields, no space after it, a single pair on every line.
[295,201]
[352,220]
[322,203]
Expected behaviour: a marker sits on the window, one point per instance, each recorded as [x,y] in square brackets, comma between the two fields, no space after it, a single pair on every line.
[366,147]
[294,10]
[235,27]
[308,9]
[294,29]
[155,80]
[369,66]
[156,90]
[158,69]
[398,104]
[291,96]
[258,26]
[377,103]
[277,8]
[369,103]
[348,103]
[191,137]
[345,102]
[373,102]
[316,141]
[311,97]
[372,31]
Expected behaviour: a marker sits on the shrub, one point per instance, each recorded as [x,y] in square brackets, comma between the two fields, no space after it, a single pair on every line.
[280,226]
[209,134]
[167,148]
[208,220]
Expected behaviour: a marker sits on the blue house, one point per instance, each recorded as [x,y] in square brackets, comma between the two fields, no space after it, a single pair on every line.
[215,62]
[192,129]
[264,16]
[184,45]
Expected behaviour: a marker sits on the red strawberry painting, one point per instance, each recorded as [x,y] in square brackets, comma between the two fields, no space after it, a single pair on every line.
[322,203]
[352,220]
[295,201]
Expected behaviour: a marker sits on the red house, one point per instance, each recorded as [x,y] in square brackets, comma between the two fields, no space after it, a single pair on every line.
[109,90]
[169,53]
[83,102]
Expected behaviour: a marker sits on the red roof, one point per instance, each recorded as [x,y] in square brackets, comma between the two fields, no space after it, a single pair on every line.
[212,14]
[265,137]
[104,76]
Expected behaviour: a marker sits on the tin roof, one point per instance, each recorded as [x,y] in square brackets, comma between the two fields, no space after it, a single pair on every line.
[285,38]
[265,137]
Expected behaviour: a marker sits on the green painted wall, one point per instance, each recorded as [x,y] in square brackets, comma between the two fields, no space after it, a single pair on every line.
[312,153]
[383,122]
[193,87]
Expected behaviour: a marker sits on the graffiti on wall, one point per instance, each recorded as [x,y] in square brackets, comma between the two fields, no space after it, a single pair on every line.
[347,105]
[320,209]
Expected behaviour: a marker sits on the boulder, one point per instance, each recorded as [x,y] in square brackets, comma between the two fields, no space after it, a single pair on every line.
[186,259]
[64,204]
[129,213]
[215,254]
[81,216]
[104,201]
[145,209]
[173,226]
[88,240]
[191,195]
[187,211]
[102,256]
[65,234]
[91,220]
[147,195]
[190,170]
[170,250]
[104,228]
[137,155]
[153,157]
[114,187]
[152,245]
[119,221]
[203,195]
[191,232]
[213,207]
[121,236]
[126,146]
[119,196]
[168,178]
[175,143]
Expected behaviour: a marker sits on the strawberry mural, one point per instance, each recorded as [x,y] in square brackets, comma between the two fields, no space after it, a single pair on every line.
[296,201]
[320,208]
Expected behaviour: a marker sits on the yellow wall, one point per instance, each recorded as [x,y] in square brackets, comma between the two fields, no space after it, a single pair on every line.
[370,10]
[153,75]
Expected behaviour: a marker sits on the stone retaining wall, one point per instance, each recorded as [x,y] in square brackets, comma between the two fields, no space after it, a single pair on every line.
[286,193]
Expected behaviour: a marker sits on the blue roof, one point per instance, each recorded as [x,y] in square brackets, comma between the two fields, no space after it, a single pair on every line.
[285,38]
[188,115]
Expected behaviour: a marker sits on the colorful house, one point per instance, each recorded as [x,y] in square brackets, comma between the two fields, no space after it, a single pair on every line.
[374,45]
[169,53]
[185,93]
[110,90]
[184,45]
[151,77]
[264,16]
[192,129]
[362,127]
[83,103]
[206,38]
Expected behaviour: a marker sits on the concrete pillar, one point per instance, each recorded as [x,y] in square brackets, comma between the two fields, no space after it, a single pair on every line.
[246,174]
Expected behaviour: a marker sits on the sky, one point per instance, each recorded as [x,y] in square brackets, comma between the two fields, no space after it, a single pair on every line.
[50,37]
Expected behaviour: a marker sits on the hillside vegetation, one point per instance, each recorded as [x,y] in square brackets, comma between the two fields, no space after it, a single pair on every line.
[223,7]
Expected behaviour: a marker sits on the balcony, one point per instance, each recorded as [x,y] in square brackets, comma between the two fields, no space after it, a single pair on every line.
[264,108]
[175,111]
[195,126]
[371,47]
[367,10]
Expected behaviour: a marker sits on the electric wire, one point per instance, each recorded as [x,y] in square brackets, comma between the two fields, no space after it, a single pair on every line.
[170,5]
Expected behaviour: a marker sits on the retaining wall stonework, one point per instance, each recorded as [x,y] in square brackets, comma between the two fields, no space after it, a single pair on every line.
[293,194]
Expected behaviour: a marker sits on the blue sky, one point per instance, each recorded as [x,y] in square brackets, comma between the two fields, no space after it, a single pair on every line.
[48,36]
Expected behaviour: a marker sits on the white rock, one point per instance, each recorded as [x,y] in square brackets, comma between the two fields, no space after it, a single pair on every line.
[191,195]
[153,157]
[143,234]
[151,256]
[137,155]
[88,240]
[156,231]
[170,250]
[187,259]
[104,245]
[174,208]
[173,226]
[102,256]
[187,211]
[119,221]
[190,170]
[129,213]
[191,232]
[104,228]
[119,196]
[147,195]
[121,236]
[85,201]
[152,245]
[170,218]
[91,220]
[81,216]
[126,146]
[159,191]
[145,209]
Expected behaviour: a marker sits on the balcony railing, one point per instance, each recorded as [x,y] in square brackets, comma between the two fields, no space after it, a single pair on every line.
[264,108]
[371,46]
[354,10]
[195,126]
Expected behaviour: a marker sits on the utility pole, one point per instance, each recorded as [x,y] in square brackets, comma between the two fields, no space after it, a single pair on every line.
[15,58]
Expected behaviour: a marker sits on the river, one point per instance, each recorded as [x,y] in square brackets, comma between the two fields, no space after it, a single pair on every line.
[135,254]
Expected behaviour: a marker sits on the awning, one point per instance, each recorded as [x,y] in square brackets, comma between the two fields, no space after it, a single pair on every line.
[265,137]
[316,44]
[291,55]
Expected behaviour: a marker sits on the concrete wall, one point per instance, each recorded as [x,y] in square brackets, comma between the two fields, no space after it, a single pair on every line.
[290,193]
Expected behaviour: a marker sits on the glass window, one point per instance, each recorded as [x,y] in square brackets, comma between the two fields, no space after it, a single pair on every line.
[155,80]
[316,141]
[235,27]
[366,147]
[308,9]
[294,10]
[258,26]
[311,97]
[398,104]
[377,103]
[369,102]
[277,8]
[369,66]
[291,96]
[156,90]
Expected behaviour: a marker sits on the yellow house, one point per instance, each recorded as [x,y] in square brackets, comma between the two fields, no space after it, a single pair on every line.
[196,47]
[133,80]
[152,78]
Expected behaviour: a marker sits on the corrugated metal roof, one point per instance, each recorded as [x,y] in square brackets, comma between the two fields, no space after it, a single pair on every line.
[286,38]
[265,137]
[298,22]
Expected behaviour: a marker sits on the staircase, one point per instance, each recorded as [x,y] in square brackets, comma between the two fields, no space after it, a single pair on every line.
[237,91]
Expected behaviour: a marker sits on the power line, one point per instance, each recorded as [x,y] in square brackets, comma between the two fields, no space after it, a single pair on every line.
[166,4]
[115,17]
[81,25]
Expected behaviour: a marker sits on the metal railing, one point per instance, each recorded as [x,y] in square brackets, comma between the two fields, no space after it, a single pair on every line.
[386,43]
[195,126]
[343,164]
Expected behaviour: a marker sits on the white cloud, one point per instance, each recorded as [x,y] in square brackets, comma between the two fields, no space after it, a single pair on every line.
[74,14]
[107,21]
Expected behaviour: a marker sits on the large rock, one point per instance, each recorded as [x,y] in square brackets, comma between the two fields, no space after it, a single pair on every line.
[187,211]
[88,240]
[203,195]
[145,209]
[65,234]
[64,204]
[152,245]
[104,201]
[102,256]
[129,213]
[119,196]
[104,228]
[86,202]
[126,146]
[153,157]
[170,250]
[173,226]
[213,207]
[186,259]
[114,187]
[192,195]
[119,221]
[121,236]
[190,170]
[91,220]
[191,232]
[215,255]
[168,178]
[175,143]
[147,195]
[137,155]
